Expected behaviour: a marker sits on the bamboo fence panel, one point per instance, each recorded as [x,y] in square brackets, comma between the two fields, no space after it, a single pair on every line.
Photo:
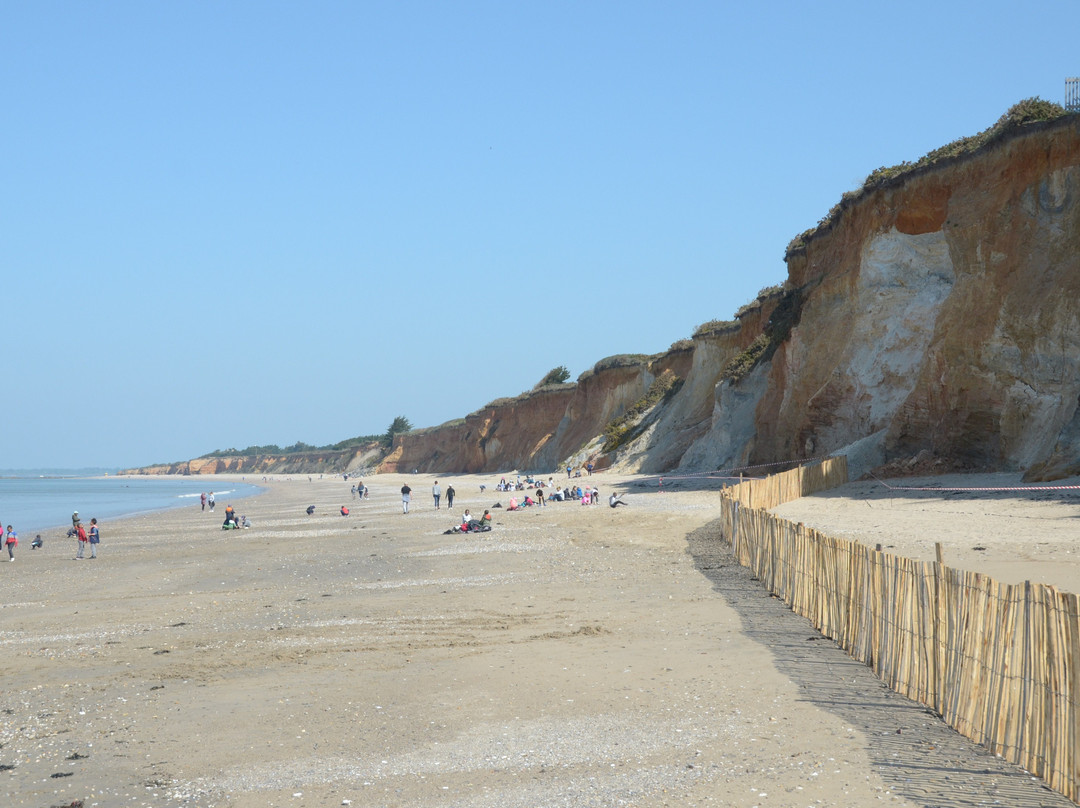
[1000,663]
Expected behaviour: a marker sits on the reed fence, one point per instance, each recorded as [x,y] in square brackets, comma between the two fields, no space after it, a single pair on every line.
[998,662]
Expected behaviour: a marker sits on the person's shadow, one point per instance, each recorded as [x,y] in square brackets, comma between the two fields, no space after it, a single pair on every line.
[917,755]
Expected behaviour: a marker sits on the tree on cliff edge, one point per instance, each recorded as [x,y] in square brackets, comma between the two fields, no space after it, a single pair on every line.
[554,376]
[399,424]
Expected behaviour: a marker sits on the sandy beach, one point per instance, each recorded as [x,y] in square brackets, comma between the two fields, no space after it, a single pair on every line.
[574,656]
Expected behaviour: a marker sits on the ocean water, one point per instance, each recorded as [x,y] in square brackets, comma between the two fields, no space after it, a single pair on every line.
[35,504]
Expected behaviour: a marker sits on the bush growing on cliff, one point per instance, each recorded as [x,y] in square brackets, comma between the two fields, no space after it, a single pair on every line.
[397,426]
[622,429]
[554,376]
[784,317]
[616,361]
[716,327]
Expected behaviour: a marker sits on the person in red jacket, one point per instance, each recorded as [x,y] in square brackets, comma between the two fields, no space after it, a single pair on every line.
[80,533]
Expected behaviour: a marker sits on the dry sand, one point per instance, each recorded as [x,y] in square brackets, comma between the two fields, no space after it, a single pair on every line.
[574,656]
[1013,536]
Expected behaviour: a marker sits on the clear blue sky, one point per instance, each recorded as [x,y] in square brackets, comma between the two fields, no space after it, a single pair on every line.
[236,223]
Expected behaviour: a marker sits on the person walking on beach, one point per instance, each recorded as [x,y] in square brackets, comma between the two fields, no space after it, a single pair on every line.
[95,538]
[11,541]
[202,500]
[405,495]
[450,496]
[210,501]
[435,492]
[80,534]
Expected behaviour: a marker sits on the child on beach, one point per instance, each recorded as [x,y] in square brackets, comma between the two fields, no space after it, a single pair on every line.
[80,534]
[95,538]
[11,541]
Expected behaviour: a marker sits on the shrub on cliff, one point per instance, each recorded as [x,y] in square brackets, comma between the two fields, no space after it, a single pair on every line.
[616,361]
[554,376]
[716,327]
[397,426]
[623,429]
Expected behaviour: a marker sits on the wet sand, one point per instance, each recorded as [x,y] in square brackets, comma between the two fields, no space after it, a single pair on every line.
[574,656]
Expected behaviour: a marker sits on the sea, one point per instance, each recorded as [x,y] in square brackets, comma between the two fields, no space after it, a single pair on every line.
[33,504]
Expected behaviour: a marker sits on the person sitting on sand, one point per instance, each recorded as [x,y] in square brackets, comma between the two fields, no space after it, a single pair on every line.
[615,501]
[344,511]
[513,506]
[466,517]
[486,518]
[37,543]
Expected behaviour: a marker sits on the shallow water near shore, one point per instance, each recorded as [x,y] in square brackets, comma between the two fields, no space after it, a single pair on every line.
[36,504]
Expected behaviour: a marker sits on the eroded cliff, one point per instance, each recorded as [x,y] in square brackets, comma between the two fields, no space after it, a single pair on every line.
[935,315]
[356,458]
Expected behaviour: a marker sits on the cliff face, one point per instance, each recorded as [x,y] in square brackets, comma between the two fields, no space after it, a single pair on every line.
[536,431]
[942,313]
[936,316]
[352,459]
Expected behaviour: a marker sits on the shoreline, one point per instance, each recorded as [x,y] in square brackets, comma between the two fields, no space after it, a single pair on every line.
[26,525]
[573,656]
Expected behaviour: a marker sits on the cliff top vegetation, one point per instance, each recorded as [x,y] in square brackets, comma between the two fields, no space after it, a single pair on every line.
[1028,111]
[297,448]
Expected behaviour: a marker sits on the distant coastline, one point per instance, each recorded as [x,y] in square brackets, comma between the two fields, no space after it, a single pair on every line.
[90,471]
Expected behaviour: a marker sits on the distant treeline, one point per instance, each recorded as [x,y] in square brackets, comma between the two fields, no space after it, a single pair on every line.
[297,448]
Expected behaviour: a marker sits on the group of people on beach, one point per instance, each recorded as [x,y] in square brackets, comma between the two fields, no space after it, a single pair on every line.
[539,493]
[232,521]
[84,537]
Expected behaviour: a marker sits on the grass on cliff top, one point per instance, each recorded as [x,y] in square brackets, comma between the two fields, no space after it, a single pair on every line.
[297,448]
[617,361]
[718,327]
[1030,110]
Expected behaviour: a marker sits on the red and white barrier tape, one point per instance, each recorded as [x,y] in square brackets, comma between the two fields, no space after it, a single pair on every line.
[985,488]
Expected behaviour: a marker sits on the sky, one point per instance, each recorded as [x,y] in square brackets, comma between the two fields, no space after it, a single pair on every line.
[226,224]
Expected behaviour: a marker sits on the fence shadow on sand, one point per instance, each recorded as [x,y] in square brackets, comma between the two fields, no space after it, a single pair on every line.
[918,756]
